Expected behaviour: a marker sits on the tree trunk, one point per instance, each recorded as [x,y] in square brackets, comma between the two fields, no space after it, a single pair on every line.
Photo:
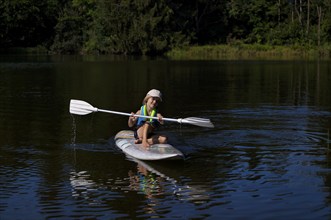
[298,11]
[308,16]
[319,14]
[279,12]
[292,14]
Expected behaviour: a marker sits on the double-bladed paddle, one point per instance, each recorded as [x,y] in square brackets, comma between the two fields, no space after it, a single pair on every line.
[79,107]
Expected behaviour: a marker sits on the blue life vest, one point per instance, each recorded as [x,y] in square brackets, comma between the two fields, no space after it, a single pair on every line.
[141,121]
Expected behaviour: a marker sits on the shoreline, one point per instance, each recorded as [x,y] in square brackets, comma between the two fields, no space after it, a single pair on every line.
[249,51]
[215,52]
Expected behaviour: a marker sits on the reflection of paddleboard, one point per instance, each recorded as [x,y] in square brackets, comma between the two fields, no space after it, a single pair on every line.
[194,193]
[125,141]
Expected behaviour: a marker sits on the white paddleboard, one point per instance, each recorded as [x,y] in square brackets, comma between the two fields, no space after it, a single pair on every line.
[125,141]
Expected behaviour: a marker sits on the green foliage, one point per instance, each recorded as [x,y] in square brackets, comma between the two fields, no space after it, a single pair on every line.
[27,23]
[157,26]
[72,25]
[133,27]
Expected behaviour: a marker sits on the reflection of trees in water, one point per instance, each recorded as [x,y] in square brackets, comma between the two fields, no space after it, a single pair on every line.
[291,83]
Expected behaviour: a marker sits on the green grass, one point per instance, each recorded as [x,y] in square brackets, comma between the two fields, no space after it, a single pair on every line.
[250,51]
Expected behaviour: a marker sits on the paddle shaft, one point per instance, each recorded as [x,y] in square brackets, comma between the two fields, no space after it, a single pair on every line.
[135,115]
[80,107]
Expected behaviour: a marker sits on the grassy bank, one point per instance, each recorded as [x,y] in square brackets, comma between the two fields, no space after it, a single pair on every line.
[222,52]
[248,51]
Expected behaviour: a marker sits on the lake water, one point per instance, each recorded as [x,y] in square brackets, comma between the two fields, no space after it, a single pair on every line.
[268,157]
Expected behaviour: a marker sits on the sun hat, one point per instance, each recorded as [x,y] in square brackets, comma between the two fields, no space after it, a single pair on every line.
[153,93]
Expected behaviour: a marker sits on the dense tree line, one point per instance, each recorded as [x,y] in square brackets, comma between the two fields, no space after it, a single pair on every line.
[155,26]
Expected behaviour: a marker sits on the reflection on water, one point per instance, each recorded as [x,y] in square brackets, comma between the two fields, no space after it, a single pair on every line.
[73,139]
[268,156]
[144,179]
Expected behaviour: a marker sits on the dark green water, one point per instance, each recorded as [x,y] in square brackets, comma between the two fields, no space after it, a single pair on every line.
[268,156]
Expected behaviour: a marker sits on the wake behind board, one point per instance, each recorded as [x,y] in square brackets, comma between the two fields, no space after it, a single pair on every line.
[125,141]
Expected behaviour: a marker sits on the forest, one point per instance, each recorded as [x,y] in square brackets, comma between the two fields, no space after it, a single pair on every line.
[153,27]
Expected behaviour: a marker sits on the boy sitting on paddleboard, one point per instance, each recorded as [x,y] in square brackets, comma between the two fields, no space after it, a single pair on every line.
[144,127]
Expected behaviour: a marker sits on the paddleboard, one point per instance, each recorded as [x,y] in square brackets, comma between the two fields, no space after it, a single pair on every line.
[125,141]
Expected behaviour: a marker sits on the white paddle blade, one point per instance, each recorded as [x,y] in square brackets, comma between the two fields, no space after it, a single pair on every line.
[79,107]
[202,122]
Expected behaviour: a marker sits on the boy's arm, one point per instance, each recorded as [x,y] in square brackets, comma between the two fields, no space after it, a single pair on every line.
[132,119]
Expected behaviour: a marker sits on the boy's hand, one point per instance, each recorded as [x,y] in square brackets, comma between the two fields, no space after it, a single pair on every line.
[132,117]
[160,118]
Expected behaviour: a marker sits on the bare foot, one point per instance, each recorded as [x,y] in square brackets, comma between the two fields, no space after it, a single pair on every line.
[146,145]
[138,141]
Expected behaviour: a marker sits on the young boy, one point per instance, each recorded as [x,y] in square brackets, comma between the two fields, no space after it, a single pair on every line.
[145,126]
